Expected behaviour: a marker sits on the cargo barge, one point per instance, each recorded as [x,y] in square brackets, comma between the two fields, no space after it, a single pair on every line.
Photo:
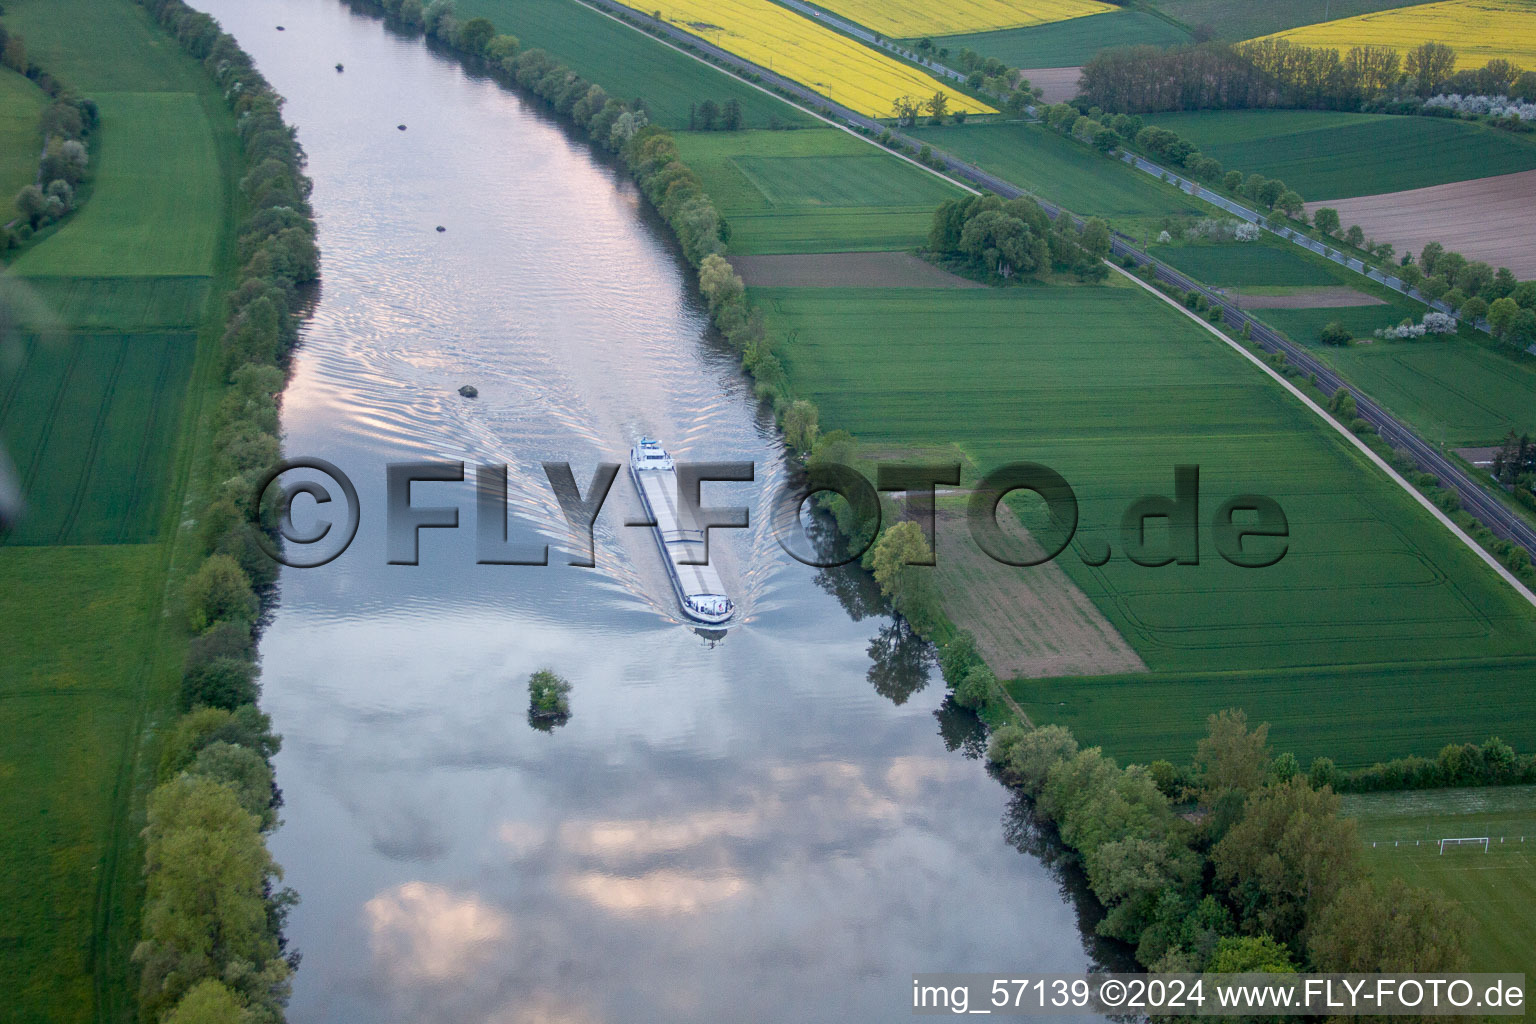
[699,591]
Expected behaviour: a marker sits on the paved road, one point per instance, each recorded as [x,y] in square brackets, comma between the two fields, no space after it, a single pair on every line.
[1502,521]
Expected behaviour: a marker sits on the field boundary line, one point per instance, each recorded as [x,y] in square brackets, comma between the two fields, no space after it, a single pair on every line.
[770,93]
[1360,445]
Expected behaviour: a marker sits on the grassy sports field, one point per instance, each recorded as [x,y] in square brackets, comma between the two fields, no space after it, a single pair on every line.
[628,63]
[1233,21]
[1112,389]
[21,143]
[100,417]
[1069,43]
[781,40]
[1478,30]
[912,18]
[1061,170]
[1497,888]
[1330,155]
[812,191]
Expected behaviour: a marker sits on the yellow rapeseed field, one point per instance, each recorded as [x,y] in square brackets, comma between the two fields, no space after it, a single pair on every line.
[848,72]
[905,19]
[1478,30]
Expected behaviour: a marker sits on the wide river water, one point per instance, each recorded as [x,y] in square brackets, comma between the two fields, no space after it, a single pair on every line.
[783,826]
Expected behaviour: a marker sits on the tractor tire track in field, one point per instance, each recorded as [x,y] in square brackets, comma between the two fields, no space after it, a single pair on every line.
[98,429]
[138,486]
[36,461]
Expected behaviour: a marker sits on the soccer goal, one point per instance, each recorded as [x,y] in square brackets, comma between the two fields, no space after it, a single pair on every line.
[1457,842]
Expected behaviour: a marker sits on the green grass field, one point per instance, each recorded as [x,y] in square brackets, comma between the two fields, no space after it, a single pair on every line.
[100,417]
[1497,888]
[70,713]
[1065,44]
[1238,20]
[1061,170]
[1329,155]
[1113,389]
[1229,264]
[1455,391]
[812,191]
[1306,325]
[1459,390]
[21,103]
[155,207]
[118,303]
[90,421]
[628,63]
[102,47]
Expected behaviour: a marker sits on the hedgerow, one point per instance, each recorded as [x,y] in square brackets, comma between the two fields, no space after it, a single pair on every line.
[212,933]
[64,166]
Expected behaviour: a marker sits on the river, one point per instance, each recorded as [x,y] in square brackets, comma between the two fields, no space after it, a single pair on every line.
[782,826]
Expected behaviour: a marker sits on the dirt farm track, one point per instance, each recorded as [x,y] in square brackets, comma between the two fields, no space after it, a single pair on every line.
[1490,219]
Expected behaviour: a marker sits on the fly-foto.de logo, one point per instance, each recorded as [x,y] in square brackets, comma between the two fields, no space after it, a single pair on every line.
[1250,531]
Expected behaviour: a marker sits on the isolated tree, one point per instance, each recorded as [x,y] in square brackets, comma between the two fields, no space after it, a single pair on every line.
[1475,308]
[1232,181]
[1327,220]
[1355,236]
[1270,191]
[938,106]
[1335,333]
[548,695]
[709,115]
[800,427]
[1411,274]
[1095,238]
[1292,205]
[906,110]
[898,560]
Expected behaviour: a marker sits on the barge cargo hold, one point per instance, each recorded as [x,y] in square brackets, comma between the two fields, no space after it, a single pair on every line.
[699,591]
